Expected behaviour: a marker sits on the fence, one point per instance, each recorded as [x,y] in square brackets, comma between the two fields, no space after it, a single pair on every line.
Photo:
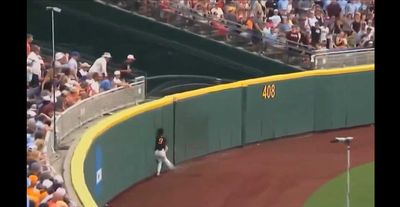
[94,107]
[329,59]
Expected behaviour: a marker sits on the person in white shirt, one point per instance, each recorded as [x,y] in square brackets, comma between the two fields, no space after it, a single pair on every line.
[217,12]
[73,64]
[324,33]
[94,83]
[100,65]
[34,66]
[117,79]
[276,19]
[311,19]
[83,71]
[61,62]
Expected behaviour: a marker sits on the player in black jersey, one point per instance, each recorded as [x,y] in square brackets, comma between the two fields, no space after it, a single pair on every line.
[161,149]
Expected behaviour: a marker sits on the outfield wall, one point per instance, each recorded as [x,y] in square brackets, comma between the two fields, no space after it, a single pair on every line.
[118,151]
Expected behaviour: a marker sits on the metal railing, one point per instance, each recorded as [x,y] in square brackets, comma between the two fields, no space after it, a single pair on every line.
[343,58]
[94,107]
[279,48]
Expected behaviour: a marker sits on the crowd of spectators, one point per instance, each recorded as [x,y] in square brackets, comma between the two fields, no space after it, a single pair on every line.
[73,81]
[316,24]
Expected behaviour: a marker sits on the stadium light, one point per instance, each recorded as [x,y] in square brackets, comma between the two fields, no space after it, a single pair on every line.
[58,10]
[346,141]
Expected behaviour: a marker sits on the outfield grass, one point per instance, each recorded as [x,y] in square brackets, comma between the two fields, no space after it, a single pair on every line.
[333,193]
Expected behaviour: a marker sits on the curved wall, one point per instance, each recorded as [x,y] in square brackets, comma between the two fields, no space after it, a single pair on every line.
[118,151]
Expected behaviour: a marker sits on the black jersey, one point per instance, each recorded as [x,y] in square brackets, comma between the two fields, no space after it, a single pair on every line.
[161,142]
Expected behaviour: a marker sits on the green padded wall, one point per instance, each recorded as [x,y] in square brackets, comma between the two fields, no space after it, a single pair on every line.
[207,124]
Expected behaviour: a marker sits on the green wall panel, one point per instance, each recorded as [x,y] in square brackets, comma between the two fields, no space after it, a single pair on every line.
[207,124]
[330,102]
[291,110]
[361,98]
[125,153]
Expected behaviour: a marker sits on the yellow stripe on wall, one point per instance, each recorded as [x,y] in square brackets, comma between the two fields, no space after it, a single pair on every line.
[81,150]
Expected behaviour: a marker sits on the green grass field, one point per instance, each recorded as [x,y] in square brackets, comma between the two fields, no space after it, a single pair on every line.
[333,193]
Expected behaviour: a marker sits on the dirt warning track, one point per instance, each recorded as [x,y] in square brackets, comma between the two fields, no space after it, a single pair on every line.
[277,173]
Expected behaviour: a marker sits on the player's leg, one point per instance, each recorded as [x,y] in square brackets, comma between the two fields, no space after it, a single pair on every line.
[159,161]
[159,165]
[165,159]
[168,163]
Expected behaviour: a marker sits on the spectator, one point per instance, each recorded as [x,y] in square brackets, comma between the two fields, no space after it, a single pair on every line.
[320,17]
[341,40]
[117,79]
[258,26]
[338,27]
[283,5]
[47,107]
[94,83]
[333,9]
[284,26]
[47,83]
[293,36]
[350,8]
[217,12]
[52,199]
[357,5]
[72,97]
[347,24]
[83,71]
[34,67]
[326,3]
[315,35]
[311,19]
[370,25]
[342,4]
[106,83]
[61,63]
[127,71]
[276,19]
[351,39]
[356,24]
[257,8]
[29,39]
[367,38]
[73,64]
[100,65]
[319,3]
[85,90]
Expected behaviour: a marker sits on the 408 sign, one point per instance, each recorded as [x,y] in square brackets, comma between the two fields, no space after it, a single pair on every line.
[268,91]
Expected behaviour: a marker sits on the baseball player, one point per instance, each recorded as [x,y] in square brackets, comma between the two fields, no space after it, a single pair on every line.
[161,149]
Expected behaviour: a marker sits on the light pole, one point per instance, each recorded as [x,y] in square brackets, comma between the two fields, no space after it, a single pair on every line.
[346,141]
[58,10]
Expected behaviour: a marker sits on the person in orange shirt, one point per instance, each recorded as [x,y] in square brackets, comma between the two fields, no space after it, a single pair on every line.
[32,192]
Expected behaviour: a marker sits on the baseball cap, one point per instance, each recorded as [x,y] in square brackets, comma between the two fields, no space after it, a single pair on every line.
[75,53]
[131,57]
[58,179]
[107,55]
[47,183]
[117,72]
[61,191]
[59,55]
